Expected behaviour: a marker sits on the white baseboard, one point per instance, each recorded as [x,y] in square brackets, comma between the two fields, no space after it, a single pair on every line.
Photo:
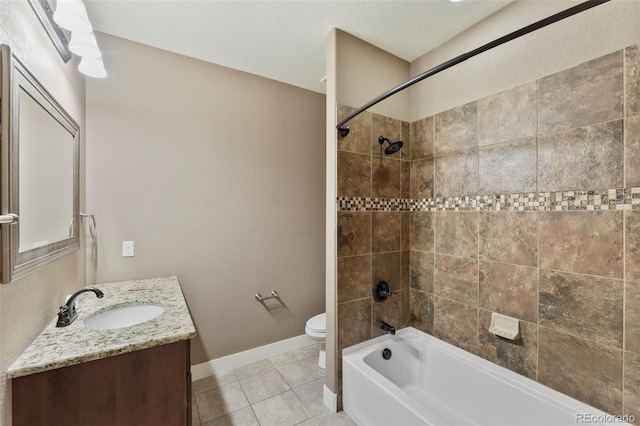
[330,399]
[230,362]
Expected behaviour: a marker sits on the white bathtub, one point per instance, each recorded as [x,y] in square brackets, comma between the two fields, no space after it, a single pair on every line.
[429,382]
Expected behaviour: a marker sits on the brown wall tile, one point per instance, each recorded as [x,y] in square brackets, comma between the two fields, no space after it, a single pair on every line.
[383,126]
[422,178]
[632,73]
[580,338]
[393,311]
[386,267]
[456,174]
[586,94]
[632,245]
[405,137]
[354,233]
[509,237]
[632,150]
[421,311]
[386,178]
[508,167]
[508,115]
[519,355]
[354,322]
[354,175]
[632,385]
[585,158]
[405,230]
[456,278]
[354,278]
[405,179]
[456,323]
[582,242]
[509,289]
[422,231]
[456,233]
[587,371]
[359,137]
[385,235]
[582,305]
[405,269]
[422,138]
[422,271]
[632,316]
[456,129]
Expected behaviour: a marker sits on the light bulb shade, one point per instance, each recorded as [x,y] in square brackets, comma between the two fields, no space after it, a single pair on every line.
[85,45]
[92,67]
[72,15]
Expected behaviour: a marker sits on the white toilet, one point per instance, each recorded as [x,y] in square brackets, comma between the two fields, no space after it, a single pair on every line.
[317,329]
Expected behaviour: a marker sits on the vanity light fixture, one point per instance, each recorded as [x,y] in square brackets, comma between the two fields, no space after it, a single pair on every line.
[92,67]
[85,45]
[72,15]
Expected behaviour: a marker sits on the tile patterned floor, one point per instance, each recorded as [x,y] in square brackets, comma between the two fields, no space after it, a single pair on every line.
[284,390]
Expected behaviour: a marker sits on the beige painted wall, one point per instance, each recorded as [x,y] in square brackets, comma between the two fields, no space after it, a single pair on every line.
[567,43]
[31,302]
[365,71]
[218,177]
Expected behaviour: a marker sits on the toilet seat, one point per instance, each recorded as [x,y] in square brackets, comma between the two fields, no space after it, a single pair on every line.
[316,328]
[317,324]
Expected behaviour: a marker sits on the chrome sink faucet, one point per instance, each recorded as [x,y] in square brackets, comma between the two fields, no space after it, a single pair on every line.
[67,313]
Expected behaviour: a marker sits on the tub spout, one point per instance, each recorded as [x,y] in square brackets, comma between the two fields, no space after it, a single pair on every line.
[386,327]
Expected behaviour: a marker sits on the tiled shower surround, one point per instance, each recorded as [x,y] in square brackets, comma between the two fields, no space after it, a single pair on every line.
[526,203]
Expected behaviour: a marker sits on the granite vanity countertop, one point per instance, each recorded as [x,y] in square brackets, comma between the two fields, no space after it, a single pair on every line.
[61,347]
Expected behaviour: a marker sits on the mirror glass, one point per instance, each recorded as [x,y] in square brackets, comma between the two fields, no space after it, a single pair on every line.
[46,177]
[39,172]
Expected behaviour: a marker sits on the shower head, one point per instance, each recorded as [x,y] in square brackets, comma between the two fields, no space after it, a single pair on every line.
[393,146]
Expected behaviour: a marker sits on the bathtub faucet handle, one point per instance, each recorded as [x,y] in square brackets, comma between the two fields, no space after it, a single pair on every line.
[381,292]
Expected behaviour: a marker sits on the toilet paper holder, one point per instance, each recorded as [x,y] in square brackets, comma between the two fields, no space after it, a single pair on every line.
[260,298]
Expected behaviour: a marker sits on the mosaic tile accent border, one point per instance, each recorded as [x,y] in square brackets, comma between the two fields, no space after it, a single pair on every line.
[361,204]
[600,199]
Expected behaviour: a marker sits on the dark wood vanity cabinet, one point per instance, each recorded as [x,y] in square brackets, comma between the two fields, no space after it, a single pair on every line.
[146,387]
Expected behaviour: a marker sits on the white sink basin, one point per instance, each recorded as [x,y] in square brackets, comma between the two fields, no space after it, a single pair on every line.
[123,316]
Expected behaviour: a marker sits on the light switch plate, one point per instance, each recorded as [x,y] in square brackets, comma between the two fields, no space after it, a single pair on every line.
[127,249]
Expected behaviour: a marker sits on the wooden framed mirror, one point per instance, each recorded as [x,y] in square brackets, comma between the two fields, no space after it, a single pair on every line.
[39,173]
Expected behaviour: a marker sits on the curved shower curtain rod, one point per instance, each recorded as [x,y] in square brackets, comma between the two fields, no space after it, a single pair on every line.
[344,130]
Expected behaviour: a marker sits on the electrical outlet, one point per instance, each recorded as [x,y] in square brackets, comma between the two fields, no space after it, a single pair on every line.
[127,249]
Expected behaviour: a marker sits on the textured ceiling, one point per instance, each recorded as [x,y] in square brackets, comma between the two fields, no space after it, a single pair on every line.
[285,40]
